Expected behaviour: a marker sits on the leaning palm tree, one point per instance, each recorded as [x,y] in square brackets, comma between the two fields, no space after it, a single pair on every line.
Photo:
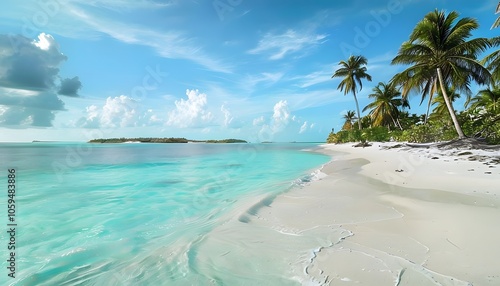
[384,109]
[440,55]
[352,71]
[349,118]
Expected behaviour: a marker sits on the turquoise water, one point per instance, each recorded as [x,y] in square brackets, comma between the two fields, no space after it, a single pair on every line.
[132,214]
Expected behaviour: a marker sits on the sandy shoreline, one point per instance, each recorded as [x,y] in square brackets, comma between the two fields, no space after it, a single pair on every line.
[449,211]
[379,217]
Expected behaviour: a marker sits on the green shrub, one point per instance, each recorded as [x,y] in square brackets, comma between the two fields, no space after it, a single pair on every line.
[369,134]
[484,124]
[431,132]
[379,134]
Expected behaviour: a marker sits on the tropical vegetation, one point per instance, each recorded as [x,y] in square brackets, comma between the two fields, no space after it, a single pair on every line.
[441,62]
[163,140]
[349,118]
[141,140]
[384,110]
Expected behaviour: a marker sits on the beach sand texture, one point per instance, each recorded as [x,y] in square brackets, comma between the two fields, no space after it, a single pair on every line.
[377,216]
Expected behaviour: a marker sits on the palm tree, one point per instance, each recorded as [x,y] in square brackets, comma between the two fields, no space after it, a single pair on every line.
[441,109]
[406,120]
[353,71]
[440,56]
[486,98]
[493,60]
[385,107]
[349,118]
[497,21]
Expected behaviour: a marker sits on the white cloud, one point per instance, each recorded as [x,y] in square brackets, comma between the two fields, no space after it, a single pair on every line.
[278,122]
[272,77]
[281,120]
[312,78]
[191,112]
[168,44]
[259,121]
[121,5]
[121,111]
[251,81]
[227,116]
[281,116]
[303,128]
[45,42]
[291,41]
[92,113]
[384,58]
[153,118]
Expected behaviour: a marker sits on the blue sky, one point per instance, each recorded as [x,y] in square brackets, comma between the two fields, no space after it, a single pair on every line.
[201,69]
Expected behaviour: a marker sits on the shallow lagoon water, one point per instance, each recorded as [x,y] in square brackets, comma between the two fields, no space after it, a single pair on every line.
[132,214]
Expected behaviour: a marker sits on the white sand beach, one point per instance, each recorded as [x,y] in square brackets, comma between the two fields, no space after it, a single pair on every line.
[377,217]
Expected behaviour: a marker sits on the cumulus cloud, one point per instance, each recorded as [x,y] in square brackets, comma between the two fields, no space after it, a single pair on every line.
[92,120]
[119,111]
[22,108]
[281,120]
[278,122]
[27,64]
[281,116]
[191,112]
[17,116]
[28,71]
[70,86]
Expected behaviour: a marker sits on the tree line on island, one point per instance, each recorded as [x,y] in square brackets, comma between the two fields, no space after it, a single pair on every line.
[441,62]
[163,140]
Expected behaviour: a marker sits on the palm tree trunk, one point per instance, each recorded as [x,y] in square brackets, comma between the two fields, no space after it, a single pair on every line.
[428,109]
[399,123]
[396,123]
[357,109]
[461,134]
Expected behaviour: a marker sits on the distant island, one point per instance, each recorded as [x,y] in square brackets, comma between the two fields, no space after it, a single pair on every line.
[162,140]
[221,141]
